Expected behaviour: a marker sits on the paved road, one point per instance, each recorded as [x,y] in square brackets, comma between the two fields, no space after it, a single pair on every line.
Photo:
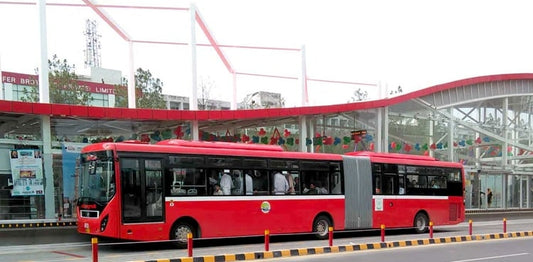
[61,244]
[510,250]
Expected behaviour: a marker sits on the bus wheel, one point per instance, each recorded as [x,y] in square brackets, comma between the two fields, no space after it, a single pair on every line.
[421,223]
[321,227]
[180,231]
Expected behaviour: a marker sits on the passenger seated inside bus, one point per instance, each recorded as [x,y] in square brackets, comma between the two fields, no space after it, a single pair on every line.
[312,190]
[322,188]
[217,191]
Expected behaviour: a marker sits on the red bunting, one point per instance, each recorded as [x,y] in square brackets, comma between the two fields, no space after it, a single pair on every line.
[286,133]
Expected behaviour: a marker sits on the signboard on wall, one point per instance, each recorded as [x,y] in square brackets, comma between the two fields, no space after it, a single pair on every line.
[27,172]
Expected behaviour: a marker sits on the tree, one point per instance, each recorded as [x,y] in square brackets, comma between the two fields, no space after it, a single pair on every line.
[359,95]
[63,84]
[206,85]
[397,91]
[148,91]
[121,93]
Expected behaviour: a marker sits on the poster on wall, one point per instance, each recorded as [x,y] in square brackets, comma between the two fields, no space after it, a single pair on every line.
[27,172]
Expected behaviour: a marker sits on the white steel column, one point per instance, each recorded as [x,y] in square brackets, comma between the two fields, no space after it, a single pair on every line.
[385,123]
[194,95]
[303,133]
[379,130]
[1,82]
[311,135]
[303,78]
[44,93]
[234,98]
[505,124]
[132,102]
[451,135]
[44,97]
[431,132]
[48,159]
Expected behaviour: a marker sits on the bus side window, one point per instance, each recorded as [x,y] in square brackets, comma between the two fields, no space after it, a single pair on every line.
[260,182]
[401,184]
[336,186]
[377,185]
[238,183]
[387,186]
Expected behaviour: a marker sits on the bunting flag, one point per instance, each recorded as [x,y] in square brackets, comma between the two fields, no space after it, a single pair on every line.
[286,139]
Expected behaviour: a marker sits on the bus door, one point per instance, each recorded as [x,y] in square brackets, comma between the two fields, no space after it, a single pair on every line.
[142,191]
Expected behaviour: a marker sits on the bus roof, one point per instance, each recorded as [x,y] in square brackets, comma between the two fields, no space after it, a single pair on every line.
[224,145]
[391,155]
[396,158]
[257,150]
[210,148]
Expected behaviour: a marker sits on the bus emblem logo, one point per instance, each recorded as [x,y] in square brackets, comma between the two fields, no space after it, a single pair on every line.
[265,207]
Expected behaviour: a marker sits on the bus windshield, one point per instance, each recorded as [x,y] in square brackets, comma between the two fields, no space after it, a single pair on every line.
[97,179]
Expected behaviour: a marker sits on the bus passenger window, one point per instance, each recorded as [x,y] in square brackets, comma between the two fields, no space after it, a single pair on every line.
[401,185]
[260,182]
[377,185]
[238,185]
[336,184]
[280,185]
[248,183]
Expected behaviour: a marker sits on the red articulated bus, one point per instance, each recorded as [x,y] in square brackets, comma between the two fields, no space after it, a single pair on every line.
[166,190]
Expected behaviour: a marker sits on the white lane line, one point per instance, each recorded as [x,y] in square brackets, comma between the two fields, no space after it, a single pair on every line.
[495,257]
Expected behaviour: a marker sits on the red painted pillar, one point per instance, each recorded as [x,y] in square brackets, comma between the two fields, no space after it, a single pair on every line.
[267,240]
[504,225]
[189,244]
[330,229]
[94,244]
[430,229]
[382,233]
[470,227]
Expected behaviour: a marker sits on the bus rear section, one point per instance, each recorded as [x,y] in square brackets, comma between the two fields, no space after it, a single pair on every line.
[382,191]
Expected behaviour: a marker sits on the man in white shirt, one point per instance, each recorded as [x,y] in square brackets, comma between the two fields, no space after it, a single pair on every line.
[226,183]
[281,185]
[249,185]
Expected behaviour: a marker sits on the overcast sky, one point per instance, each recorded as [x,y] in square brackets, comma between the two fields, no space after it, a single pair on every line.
[415,44]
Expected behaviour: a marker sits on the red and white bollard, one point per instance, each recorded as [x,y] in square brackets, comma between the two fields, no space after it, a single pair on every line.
[382,233]
[189,244]
[94,244]
[330,232]
[267,240]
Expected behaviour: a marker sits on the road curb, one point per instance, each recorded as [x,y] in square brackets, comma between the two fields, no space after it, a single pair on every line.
[338,249]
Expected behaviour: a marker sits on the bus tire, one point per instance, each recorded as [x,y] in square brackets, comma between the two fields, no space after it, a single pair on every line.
[321,226]
[421,223]
[180,231]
